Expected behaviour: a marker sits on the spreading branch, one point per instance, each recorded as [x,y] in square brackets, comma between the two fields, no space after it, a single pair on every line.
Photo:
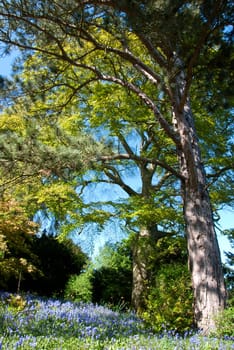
[141,160]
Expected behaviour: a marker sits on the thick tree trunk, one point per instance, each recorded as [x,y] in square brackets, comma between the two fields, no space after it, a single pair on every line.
[204,258]
[204,255]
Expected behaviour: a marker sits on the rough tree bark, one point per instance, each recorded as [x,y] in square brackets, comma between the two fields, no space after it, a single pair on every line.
[143,250]
[140,269]
[204,255]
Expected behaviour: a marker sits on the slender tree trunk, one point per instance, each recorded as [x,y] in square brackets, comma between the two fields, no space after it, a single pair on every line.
[141,250]
[204,255]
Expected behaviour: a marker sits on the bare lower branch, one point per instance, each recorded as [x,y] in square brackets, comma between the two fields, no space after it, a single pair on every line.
[142,160]
[116,179]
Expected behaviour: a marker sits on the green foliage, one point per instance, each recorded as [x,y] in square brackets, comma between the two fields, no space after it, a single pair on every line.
[169,301]
[115,256]
[170,250]
[224,323]
[16,234]
[28,262]
[79,287]
[59,198]
[112,276]
[16,303]
[13,123]
[57,261]
[112,287]
[145,342]
[229,269]
[157,207]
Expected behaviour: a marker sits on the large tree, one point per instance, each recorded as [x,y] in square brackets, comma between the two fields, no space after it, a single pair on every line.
[140,160]
[163,43]
[134,163]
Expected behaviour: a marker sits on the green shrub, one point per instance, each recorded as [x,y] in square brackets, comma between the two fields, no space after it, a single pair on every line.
[16,302]
[79,287]
[112,276]
[225,323]
[169,303]
[51,254]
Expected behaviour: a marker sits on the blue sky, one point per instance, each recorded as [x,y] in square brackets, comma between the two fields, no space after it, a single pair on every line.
[5,66]
[226,215]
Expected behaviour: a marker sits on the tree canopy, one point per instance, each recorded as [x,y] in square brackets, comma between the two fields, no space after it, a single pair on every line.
[161,53]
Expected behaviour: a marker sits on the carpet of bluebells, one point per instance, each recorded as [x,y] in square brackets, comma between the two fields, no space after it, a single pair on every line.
[36,323]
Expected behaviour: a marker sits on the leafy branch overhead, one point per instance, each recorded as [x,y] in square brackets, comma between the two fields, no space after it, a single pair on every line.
[137,76]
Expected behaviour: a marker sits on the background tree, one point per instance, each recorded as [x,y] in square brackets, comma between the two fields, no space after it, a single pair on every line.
[172,52]
[169,296]
[134,150]
[31,263]
[229,270]
[112,276]
[37,154]
[17,261]
[79,287]
[28,262]
[57,261]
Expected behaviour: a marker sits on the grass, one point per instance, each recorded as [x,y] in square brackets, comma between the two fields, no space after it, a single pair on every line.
[35,323]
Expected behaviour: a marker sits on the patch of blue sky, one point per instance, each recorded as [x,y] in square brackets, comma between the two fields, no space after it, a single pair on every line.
[6,62]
